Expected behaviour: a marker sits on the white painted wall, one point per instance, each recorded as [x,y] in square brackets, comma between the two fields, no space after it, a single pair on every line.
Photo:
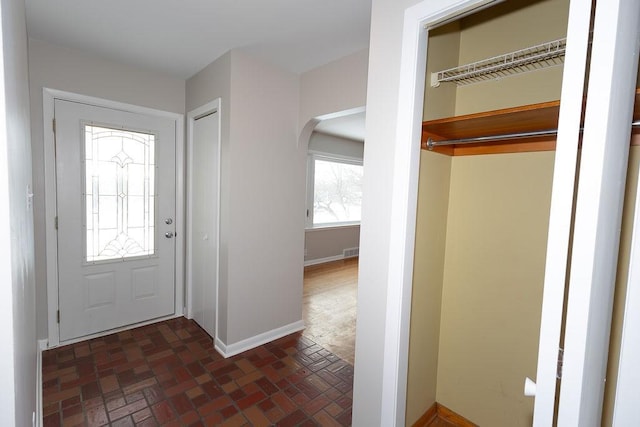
[71,70]
[337,86]
[382,109]
[17,293]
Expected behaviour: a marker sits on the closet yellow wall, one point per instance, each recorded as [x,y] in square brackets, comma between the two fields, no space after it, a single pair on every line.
[512,25]
[494,271]
[442,53]
[504,28]
[433,203]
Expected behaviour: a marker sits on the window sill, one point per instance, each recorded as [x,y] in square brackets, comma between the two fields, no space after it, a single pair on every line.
[332,227]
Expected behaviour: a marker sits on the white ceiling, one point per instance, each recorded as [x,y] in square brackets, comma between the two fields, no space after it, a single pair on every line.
[180,37]
[350,127]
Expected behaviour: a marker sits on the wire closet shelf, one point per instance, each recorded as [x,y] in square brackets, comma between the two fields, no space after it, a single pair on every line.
[545,55]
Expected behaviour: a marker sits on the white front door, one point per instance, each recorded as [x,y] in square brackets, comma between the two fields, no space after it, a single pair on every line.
[115,179]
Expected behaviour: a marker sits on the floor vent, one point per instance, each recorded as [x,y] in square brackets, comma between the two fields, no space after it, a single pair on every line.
[351,252]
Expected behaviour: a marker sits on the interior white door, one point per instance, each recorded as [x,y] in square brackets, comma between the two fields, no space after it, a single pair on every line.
[115,180]
[203,220]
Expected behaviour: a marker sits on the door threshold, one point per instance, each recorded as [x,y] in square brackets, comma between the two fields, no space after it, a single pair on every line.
[113,331]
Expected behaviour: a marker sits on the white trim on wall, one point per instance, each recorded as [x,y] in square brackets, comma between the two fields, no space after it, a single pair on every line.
[307,263]
[48,99]
[42,346]
[258,340]
[208,108]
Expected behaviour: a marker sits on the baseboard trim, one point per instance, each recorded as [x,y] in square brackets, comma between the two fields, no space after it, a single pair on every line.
[42,346]
[442,412]
[323,260]
[255,341]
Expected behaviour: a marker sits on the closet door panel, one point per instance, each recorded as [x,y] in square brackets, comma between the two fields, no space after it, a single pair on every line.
[561,210]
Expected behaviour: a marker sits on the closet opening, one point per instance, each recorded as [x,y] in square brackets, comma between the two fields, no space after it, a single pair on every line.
[491,103]
[490,119]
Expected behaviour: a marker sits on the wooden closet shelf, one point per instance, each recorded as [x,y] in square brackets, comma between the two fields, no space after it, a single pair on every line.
[527,118]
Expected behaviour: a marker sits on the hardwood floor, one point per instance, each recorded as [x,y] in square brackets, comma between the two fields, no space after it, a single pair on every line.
[441,416]
[329,306]
[438,422]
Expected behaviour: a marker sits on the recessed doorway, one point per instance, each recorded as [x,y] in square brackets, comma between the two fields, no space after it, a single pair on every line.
[332,233]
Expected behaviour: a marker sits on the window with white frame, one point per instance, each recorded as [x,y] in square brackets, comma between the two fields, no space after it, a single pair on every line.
[334,188]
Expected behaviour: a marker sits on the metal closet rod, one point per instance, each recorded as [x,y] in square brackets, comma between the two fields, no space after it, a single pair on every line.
[492,138]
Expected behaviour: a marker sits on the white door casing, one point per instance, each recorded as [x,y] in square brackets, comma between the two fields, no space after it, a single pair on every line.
[203,207]
[417,20]
[141,312]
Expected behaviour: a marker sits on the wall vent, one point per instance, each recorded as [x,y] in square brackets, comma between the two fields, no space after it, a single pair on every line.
[351,252]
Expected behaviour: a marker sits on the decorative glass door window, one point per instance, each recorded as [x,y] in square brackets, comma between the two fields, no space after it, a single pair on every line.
[119,198]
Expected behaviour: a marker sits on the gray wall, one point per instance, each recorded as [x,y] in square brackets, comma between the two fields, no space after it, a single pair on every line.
[325,244]
[17,295]
[329,144]
[262,183]
[71,70]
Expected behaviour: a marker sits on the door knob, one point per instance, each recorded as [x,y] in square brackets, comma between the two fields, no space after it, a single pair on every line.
[168,221]
[529,387]
[168,234]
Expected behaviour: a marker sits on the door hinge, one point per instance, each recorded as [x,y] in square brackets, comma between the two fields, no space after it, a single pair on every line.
[53,125]
[560,362]
[58,316]
[55,222]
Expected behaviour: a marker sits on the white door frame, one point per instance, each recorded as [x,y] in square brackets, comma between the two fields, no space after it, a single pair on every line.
[600,196]
[49,96]
[208,108]
[417,19]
